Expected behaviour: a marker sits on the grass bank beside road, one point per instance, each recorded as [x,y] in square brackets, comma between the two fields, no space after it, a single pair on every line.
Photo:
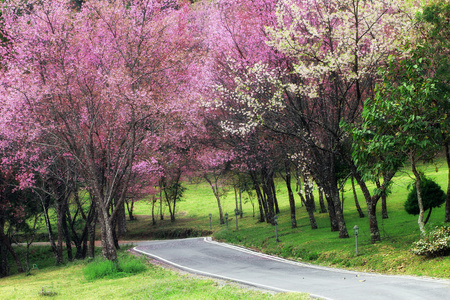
[69,282]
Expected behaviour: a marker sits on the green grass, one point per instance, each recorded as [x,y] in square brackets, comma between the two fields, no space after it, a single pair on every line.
[101,268]
[69,282]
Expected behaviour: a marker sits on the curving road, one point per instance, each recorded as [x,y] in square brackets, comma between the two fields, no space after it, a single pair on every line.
[206,257]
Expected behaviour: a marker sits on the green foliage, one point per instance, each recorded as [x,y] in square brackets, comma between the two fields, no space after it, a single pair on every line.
[432,196]
[436,243]
[125,266]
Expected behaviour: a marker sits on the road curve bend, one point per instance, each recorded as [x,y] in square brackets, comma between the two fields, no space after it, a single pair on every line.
[220,260]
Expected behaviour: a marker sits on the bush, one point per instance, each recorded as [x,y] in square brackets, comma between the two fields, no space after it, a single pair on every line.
[436,243]
[432,196]
[125,266]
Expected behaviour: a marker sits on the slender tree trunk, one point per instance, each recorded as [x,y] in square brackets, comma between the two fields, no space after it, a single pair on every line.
[153,210]
[130,208]
[447,203]
[262,208]
[428,216]
[215,188]
[323,208]
[355,196]
[241,211]
[4,265]
[59,224]
[91,231]
[419,194]
[66,231]
[287,168]
[274,193]
[269,196]
[121,219]
[161,214]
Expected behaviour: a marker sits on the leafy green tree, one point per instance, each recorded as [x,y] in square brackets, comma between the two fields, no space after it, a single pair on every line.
[432,196]
[402,120]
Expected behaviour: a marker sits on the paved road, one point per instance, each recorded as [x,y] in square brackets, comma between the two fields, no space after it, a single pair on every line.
[220,260]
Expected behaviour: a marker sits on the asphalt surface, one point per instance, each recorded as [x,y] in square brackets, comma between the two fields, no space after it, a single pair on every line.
[219,260]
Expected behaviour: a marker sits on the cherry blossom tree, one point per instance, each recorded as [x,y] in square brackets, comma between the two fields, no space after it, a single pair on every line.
[94,83]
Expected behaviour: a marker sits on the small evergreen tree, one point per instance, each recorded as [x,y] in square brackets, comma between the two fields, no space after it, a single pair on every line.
[432,196]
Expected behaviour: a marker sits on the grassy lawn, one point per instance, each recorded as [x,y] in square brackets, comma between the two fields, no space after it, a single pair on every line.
[68,282]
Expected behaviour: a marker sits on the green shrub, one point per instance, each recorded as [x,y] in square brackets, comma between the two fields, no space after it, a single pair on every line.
[436,243]
[432,196]
[125,266]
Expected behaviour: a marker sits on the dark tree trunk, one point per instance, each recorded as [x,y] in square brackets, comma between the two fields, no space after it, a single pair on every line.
[161,202]
[331,213]
[355,196]
[6,243]
[428,216]
[4,266]
[130,208]
[274,193]
[384,213]
[261,204]
[269,196]
[121,220]
[323,208]
[59,223]
[447,203]
[91,231]
[287,168]
[306,200]
[66,231]
[153,210]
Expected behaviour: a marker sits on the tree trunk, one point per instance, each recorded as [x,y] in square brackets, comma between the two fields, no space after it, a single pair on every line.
[274,193]
[121,219]
[4,239]
[419,194]
[241,211]
[331,213]
[108,248]
[4,266]
[91,233]
[323,208]
[384,213]
[447,203]
[153,210]
[130,208]
[45,205]
[66,231]
[59,222]
[161,202]
[215,189]
[355,196]
[262,207]
[428,216]
[269,196]
[287,167]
